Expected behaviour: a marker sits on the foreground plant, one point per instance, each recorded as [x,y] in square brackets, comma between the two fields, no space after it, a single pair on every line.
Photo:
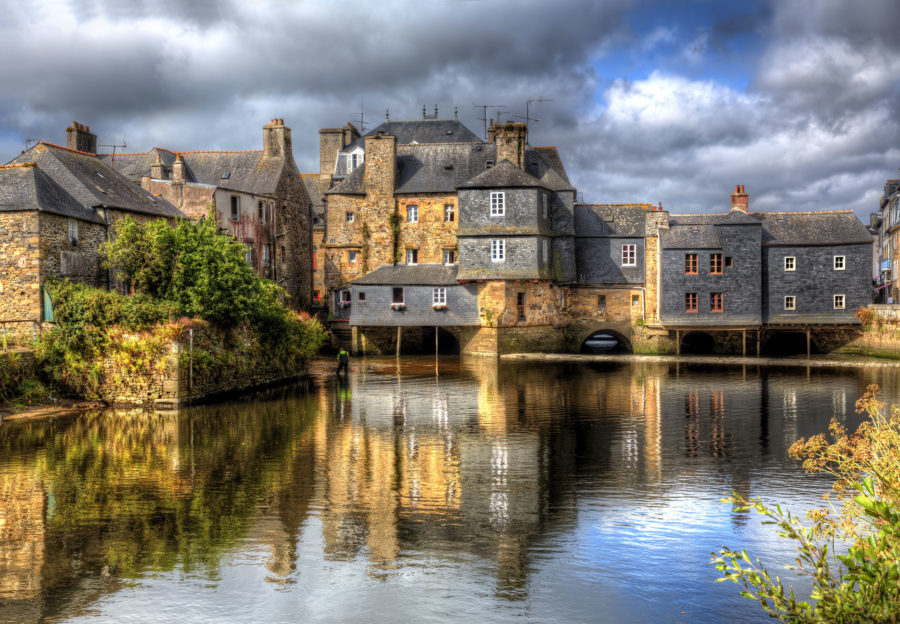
[862,585]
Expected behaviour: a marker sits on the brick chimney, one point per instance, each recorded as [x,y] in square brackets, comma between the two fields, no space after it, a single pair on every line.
[79,137]
[277,140]
[509,138]
[158,170]
[179,170]
[739,200]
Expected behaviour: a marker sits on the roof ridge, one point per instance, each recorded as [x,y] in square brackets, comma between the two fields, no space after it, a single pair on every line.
[806,212]
[25,165]
[123,154]
[446,143]
[68,149]
[215,151]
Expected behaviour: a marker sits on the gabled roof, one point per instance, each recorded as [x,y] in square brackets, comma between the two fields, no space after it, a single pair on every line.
[136,165]
[24,187]
[610,220]
[690,237]
[503,175]
[353,184]
[422,131]
[440,167]
[410,275]
[92,183]
[545,164]
[738,217]
[813,228]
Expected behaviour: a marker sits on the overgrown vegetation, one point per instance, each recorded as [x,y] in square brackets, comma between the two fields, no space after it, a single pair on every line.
[176,276]
[862,585]
[18,386]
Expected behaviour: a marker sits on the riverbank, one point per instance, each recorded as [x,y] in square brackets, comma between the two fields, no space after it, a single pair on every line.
[814,362]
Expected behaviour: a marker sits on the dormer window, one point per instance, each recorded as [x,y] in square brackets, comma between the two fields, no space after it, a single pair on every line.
[355,160]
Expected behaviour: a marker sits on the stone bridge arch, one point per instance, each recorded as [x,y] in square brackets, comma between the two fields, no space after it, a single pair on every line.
[620,331]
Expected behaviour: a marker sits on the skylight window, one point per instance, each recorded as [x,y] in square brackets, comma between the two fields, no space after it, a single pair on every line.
[226,175]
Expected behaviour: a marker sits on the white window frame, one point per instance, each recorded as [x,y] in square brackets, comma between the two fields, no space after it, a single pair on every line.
[346,296]
[349,216]
[629,247]
[790,263]
[248,253]
[498,250]
[449,254]
[544,210]
[439,296]
[449,211]
[412,213]
[546,249]
[842,260]
[73,232]
[267,255]
[843,305]
[498,203]
[351,257]
[790,305]
[412,256]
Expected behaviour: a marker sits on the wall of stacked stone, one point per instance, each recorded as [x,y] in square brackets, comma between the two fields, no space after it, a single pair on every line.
[430,235]
[60,258]
[19,266]
[294,222]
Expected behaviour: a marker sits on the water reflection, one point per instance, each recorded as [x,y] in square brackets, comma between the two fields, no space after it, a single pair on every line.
[504,490]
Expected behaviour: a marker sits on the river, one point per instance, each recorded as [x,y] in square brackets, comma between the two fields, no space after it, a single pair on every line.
[469,490]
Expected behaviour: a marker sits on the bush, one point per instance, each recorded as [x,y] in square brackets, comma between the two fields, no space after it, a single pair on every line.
[862,585]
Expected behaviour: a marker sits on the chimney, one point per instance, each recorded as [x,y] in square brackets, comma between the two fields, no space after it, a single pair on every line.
[509,138]
[277,140]
[739,199]
[158,170]
[79,137]
[331,141]
[179,169]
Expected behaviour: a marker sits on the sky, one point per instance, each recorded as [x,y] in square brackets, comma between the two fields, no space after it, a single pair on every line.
[670,102]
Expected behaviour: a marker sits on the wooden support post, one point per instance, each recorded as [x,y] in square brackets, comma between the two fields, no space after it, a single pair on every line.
[677,342]
[744,342]
[758,342]
[435,341]
[807,343]
[354,340]
[399,338]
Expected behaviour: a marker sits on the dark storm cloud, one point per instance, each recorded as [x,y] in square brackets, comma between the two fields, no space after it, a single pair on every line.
[816,127]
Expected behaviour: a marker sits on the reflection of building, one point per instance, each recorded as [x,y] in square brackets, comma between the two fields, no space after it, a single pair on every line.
[22,543]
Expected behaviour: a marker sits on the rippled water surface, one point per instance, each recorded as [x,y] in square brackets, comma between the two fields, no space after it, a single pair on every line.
[477,491]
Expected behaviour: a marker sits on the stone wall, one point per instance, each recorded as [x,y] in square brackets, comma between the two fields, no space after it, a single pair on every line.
[60,258]
[20,294]
[293,229]
[430,235]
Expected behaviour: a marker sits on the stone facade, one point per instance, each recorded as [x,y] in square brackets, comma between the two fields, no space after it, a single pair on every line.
[20,266]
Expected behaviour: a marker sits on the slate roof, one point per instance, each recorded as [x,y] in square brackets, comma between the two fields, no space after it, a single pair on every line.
[422,131]
[25,187]
[411,275]
[610,220]
[247,171]
[545,164]
[503,175]
[92,183]
[841,227]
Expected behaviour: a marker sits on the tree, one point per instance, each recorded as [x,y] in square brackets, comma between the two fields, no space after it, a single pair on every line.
[862,585]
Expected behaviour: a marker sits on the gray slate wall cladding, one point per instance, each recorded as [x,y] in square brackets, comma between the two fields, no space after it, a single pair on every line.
[523,212]
[599,261]
[375,311]
[814,282]
[523,258]
[741,284]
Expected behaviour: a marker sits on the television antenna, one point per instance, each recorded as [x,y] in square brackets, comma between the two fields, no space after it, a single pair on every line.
[528,118]
[484,115]
[123,146]
[362,118]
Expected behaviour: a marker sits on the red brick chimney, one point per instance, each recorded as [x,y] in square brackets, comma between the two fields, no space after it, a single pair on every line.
[79,137]
[739,199]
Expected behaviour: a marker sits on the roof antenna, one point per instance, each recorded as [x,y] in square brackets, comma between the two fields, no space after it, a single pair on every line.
[424,113]
[456,113]
[362,118]
[27,141]
[123,146]
[528,116]
[484,116]
[435,111]
[387,115]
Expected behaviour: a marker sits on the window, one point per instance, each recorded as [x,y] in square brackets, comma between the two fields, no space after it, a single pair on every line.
[317,296]
[839,263]
[439,296]
[544,206]
[349,217]
[790,302]
[355,160]
[635,301]
[716,302]
[690,302]
[520,305]
[267,255]
[629,255]
[839,302]
[715,264]
[449,256]
[345,296]
[397,296]
[315,262]
[73,232]
[729,262]
[248,253]
[449,213]
[361,296]
[235,208]
[271,217]
[546,250]
[261,209]
[498,204]
[412,213]
[498,250]
[790,263]
[412,256]
[601,304]
[690,264]
[351,257]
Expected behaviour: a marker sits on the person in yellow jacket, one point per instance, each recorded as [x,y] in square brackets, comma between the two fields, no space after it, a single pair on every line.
[343,359]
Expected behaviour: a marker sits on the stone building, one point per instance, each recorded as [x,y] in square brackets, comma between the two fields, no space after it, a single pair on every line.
[57,206]
[886,222]
[257,196]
